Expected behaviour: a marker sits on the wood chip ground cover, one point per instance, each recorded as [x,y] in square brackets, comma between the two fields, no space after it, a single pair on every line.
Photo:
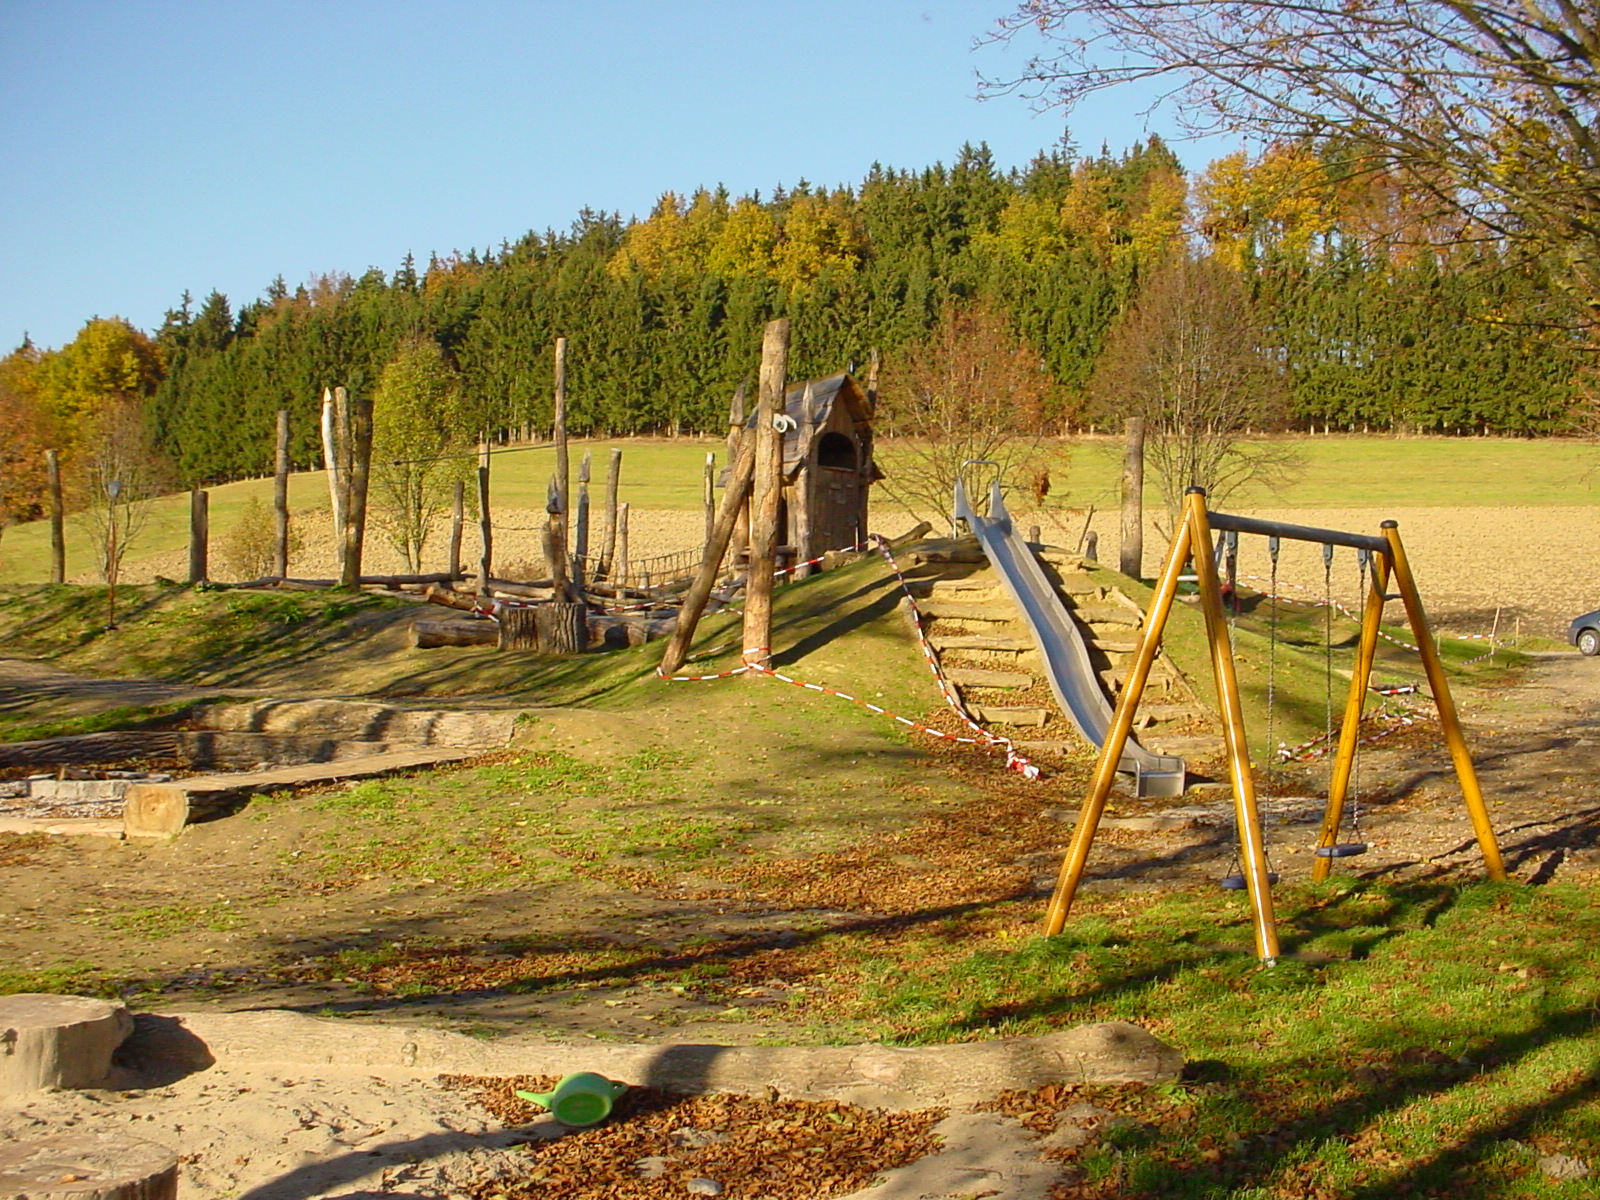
[656,1143]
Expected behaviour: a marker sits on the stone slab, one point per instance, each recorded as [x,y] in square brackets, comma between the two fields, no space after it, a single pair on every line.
[977,677]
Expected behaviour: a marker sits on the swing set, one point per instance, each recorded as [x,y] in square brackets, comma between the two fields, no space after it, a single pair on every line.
[1383,560]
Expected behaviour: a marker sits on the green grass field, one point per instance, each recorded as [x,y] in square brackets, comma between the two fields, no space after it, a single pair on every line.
[1338,472]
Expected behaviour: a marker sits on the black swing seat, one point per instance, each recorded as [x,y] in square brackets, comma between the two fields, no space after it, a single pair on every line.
[1341,850]
[1237,882]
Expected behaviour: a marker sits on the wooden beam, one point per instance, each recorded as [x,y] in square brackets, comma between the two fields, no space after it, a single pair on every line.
[695,599]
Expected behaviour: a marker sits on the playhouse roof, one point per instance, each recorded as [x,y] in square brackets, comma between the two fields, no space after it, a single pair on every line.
[842,388]
[825,394]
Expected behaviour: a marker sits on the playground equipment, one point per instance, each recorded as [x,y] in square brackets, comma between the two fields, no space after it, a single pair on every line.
[1061,645]
[1192,540]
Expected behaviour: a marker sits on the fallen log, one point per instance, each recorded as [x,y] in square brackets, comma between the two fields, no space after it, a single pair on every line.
[393,581]
[429,634]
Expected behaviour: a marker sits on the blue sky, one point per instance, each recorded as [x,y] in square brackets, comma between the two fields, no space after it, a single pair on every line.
[149,147]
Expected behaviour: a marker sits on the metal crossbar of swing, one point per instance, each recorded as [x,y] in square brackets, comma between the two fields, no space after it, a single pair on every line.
[1192,541]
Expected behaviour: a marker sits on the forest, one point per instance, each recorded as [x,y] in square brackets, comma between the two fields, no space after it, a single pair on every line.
[1362,330]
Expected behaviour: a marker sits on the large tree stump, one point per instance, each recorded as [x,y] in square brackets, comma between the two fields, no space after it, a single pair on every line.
[57,1041]
[88,1166]
[563,628]
[518,627]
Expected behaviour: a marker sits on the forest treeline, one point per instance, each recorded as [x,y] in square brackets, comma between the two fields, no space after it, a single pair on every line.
[664,315]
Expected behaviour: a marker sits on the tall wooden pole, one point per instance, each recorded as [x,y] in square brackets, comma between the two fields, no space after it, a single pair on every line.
[199,535]
[1131,561]
[623,567]
[280,498]
[555,556]
[485,525]
[458,516]
[359,422]
[766,493]
[613,474]
[558,517]
[708,493]
[330,461]
[58,518]
[580,534]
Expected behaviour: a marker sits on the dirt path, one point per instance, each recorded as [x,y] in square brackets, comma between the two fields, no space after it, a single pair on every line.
[44,692]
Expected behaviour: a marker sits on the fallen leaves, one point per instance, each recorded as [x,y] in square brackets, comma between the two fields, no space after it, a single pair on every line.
[656,1144]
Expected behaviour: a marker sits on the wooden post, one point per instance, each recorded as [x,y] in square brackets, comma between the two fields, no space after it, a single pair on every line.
[1131,560]
[580,535]
[485,526]
[622,550]
[199,534]
[805,478]
[736,432]
[708,497]
[58,518]
[280,498]
[608,559]
[694,600]
[554,554]
[332,459]
[359,422]
[558,513]
[458,517]
[766,492]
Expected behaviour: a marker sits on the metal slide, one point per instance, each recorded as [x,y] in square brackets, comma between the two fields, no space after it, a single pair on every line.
[1061,645]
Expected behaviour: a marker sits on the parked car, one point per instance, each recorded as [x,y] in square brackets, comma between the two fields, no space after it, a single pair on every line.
[1584,633]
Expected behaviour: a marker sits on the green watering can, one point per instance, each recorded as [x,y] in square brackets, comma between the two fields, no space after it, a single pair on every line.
[580,1099]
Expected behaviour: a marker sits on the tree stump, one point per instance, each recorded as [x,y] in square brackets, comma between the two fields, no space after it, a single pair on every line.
[518,627]
[563,628]
[57,1041]
[88,1166]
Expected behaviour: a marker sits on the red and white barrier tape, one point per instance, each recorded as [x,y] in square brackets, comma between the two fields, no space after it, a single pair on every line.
[1319,602]
[757,661]
[1322,744]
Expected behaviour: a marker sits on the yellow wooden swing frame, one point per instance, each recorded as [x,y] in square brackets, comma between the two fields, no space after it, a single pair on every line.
[1193,541]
